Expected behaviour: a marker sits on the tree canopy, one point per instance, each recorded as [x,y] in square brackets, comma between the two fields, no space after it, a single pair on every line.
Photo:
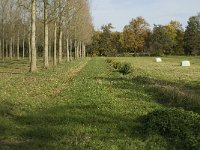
[137,38]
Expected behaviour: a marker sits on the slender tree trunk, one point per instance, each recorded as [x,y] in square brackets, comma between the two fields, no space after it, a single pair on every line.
[23,45]
[50,49]
[6,49]
[55,37]
[70,51]
[46,35]
[77,49]
[75,45]
[84,51]
[23,48]
[18,45]
[60,47]
[33,66]
[65,47]
[68,55]
[3,38]
[29,47]
[1,50]
[80,49]
[55,45]
[13,47]
[10,53]
[60,34]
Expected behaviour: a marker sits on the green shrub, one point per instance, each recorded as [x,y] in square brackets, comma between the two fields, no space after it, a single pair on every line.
[116,64]
[125,68]
[108,60]
[180,127]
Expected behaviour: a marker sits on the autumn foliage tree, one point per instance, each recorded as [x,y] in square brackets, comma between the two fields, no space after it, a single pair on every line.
[137,38]
[134,35]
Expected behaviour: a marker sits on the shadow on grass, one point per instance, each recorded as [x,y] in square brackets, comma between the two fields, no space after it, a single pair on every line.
[72,126]
[75,126]
[78,126]
[171,94]
[167,93]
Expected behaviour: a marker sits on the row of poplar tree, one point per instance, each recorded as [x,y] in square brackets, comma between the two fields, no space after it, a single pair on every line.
[137,38]
[57,29]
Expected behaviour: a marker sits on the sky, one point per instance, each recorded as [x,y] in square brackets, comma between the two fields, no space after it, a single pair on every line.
[120,12]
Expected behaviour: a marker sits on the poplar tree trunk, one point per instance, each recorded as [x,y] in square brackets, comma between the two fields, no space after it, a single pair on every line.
[77,50]
[3,38]
[84,52]
[3,47]
[23,45]
[70,51]
[82,55]
[13,47]
[18,45]
[60,34]
[68,55]
[33,66]
[29,47]
[6,49]
[1,50]
[10,53]
[80,49]
[60,47]
[55,38]
[55,45]
[46,35]
[23,48]
[50,49]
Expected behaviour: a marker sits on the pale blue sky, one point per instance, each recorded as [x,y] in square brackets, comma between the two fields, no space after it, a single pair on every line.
[120,12]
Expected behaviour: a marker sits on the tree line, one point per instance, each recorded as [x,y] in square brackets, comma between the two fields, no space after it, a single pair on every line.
[137,38]
[57,29]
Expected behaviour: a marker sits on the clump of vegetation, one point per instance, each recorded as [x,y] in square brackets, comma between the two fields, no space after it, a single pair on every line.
[177,125]
[122,67]
[108,60]
[125,68]
[116,64]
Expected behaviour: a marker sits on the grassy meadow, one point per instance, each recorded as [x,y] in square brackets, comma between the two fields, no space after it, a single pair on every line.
[87,104]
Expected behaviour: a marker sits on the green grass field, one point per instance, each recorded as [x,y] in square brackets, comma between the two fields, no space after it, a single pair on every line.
[86,104]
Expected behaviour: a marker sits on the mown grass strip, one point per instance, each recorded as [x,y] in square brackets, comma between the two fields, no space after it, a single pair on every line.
[99,109]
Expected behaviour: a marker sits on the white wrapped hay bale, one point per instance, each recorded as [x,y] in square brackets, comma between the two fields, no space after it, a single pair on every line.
[185,63]
[158,60]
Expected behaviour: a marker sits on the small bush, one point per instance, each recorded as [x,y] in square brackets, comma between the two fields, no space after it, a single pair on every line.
[116,64]
[180,127]
[125,68]
[108,60]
